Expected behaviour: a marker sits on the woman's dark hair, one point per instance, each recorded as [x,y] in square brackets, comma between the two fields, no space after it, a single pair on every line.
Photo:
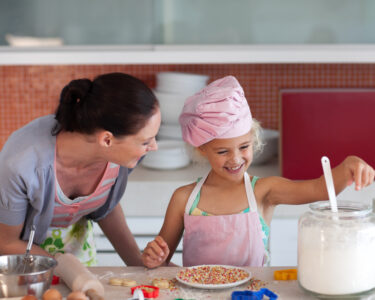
[117,102]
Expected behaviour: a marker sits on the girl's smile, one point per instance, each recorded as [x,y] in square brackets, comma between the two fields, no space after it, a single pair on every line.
[229,158]
[236,169]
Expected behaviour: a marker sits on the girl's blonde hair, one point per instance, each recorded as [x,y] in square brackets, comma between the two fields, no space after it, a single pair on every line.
[258,144]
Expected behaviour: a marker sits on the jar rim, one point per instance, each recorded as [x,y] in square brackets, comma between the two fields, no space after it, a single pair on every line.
[345,208]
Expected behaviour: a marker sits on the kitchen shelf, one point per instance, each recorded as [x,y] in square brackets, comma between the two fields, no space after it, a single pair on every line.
[188,54]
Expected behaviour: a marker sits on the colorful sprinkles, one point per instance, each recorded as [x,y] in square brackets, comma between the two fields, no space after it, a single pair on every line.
[256,284]
[212,275]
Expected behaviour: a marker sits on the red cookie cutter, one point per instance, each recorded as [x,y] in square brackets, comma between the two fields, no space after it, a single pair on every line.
[55,280]
[148,291]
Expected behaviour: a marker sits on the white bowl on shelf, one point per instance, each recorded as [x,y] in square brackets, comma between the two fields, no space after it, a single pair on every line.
[270,138]
[171,105]
[169,132]
[179,82]
[170,155]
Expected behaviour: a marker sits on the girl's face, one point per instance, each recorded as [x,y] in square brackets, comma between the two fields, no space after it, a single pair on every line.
[128,150]
[229,158]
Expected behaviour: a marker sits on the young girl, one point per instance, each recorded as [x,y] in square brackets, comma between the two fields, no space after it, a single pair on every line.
[225,215]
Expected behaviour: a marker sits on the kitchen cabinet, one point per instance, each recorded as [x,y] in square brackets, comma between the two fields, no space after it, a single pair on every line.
[179,22]
[283,241]
[144,230]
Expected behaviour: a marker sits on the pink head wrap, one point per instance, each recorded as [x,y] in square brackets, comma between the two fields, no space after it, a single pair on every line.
[218,111]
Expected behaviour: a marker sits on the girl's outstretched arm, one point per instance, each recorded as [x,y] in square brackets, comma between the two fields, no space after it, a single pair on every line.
[278,190]
[162,248]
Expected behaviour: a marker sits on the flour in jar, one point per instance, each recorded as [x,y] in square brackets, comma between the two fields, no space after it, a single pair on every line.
[334,262]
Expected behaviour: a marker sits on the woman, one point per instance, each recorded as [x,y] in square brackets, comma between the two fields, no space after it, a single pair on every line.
[62,172]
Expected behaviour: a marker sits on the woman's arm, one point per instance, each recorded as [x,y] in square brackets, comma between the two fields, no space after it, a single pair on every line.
[12,244]
[280,190]
[162,248]
[117,231]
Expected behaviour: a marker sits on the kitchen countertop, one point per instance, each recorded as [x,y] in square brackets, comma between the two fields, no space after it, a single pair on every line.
[284,289]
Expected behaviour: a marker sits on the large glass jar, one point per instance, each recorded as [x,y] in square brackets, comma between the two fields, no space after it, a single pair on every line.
[336,252]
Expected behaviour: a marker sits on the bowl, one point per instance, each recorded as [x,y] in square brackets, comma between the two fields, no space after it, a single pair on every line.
[35,282]
[270,138]
[169,132]
[170,155]
[178,82]
[171,105]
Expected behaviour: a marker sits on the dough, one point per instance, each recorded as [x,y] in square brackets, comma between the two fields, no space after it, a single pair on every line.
[115,281]
[129,282]
[161,283]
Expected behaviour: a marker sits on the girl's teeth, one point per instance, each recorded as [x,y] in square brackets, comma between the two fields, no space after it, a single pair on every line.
[235,168]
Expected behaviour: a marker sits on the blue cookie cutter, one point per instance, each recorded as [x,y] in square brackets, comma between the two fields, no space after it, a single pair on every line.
[252,295]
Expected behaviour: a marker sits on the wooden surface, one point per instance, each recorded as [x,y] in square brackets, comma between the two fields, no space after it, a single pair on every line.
[284,289]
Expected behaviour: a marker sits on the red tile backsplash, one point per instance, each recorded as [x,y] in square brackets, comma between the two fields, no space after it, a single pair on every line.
[27,92]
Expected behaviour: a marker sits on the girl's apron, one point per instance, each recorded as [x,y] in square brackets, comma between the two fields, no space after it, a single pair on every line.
[234,240]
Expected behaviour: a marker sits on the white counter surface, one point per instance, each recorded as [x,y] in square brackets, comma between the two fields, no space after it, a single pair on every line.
[288,290]
[188,54]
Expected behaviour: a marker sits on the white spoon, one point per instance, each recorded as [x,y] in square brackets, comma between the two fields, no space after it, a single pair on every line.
[329,183]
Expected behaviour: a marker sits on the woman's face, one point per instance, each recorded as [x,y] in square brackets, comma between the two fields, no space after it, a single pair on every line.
[229,158]
[128,150]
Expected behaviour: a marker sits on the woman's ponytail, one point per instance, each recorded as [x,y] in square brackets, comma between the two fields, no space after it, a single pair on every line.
[71,110]
[117,102]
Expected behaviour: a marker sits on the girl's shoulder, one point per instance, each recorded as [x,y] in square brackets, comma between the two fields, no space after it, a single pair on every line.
[263,186]
[184,191]
[181,195]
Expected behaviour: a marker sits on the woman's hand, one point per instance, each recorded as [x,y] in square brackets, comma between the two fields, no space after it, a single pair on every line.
[359,172]
[155,253]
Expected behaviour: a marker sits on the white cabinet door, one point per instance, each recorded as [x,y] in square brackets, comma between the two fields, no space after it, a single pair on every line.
[283,242]
[144,230]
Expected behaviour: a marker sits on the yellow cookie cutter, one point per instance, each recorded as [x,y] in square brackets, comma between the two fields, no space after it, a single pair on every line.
[287,274]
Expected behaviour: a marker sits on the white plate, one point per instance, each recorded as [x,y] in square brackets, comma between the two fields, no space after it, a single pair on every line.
[215,286]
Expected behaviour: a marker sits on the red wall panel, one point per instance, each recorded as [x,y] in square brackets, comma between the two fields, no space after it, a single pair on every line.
[331,122]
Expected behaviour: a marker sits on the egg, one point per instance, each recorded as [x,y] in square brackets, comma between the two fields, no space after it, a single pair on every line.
[76,296]
[29,297]
[52,294]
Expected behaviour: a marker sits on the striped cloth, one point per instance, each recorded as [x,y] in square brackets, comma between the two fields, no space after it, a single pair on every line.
[67,211]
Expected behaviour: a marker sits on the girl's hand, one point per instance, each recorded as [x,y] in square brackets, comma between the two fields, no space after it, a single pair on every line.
[359,172]
[155,253]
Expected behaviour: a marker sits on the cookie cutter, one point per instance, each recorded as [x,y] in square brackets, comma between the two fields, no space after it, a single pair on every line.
[253,295]
[147,291]
[287,274]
